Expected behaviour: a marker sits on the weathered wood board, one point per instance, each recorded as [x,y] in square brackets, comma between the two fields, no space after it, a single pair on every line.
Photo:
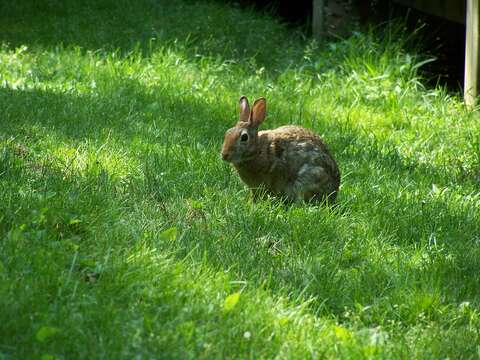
[471,85]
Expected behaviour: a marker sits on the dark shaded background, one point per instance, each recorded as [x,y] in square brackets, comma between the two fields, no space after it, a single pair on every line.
[440,38]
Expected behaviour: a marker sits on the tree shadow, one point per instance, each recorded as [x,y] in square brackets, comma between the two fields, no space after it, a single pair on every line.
[162,117]
[200,29]
[76,118]
[316,261]
[94,117]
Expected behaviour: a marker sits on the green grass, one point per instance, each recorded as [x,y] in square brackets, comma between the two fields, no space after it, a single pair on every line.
[123,233]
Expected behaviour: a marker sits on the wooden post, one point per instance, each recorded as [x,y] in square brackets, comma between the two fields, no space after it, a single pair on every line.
[470,88]
[318,18]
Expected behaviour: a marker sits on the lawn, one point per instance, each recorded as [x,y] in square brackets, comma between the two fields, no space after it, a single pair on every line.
[124,235]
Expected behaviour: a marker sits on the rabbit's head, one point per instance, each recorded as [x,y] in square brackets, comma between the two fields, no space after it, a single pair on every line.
[240,143]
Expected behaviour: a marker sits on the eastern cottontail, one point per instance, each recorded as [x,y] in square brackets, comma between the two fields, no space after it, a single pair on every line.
[290,162]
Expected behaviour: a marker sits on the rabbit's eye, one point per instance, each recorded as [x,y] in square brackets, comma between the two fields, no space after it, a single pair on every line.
[244,137]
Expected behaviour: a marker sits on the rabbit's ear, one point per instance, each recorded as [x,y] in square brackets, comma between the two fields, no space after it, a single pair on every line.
[244,108]
[258,112]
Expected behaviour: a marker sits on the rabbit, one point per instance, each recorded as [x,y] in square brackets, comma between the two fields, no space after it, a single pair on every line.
[289,162]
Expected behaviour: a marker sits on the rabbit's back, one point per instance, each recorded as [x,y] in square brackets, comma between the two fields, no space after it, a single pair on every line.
[301,166]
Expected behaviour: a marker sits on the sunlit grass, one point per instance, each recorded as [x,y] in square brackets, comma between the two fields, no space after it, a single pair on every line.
[123,234]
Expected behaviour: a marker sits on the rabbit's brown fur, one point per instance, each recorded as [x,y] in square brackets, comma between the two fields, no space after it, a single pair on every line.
[290,161]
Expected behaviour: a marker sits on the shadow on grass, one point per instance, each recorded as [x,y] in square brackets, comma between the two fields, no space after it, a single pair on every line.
[128,115]
[199,28]
[162,117]
[125,115]
[317,260]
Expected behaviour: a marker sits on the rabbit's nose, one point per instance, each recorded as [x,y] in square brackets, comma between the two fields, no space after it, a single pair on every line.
[225,156]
